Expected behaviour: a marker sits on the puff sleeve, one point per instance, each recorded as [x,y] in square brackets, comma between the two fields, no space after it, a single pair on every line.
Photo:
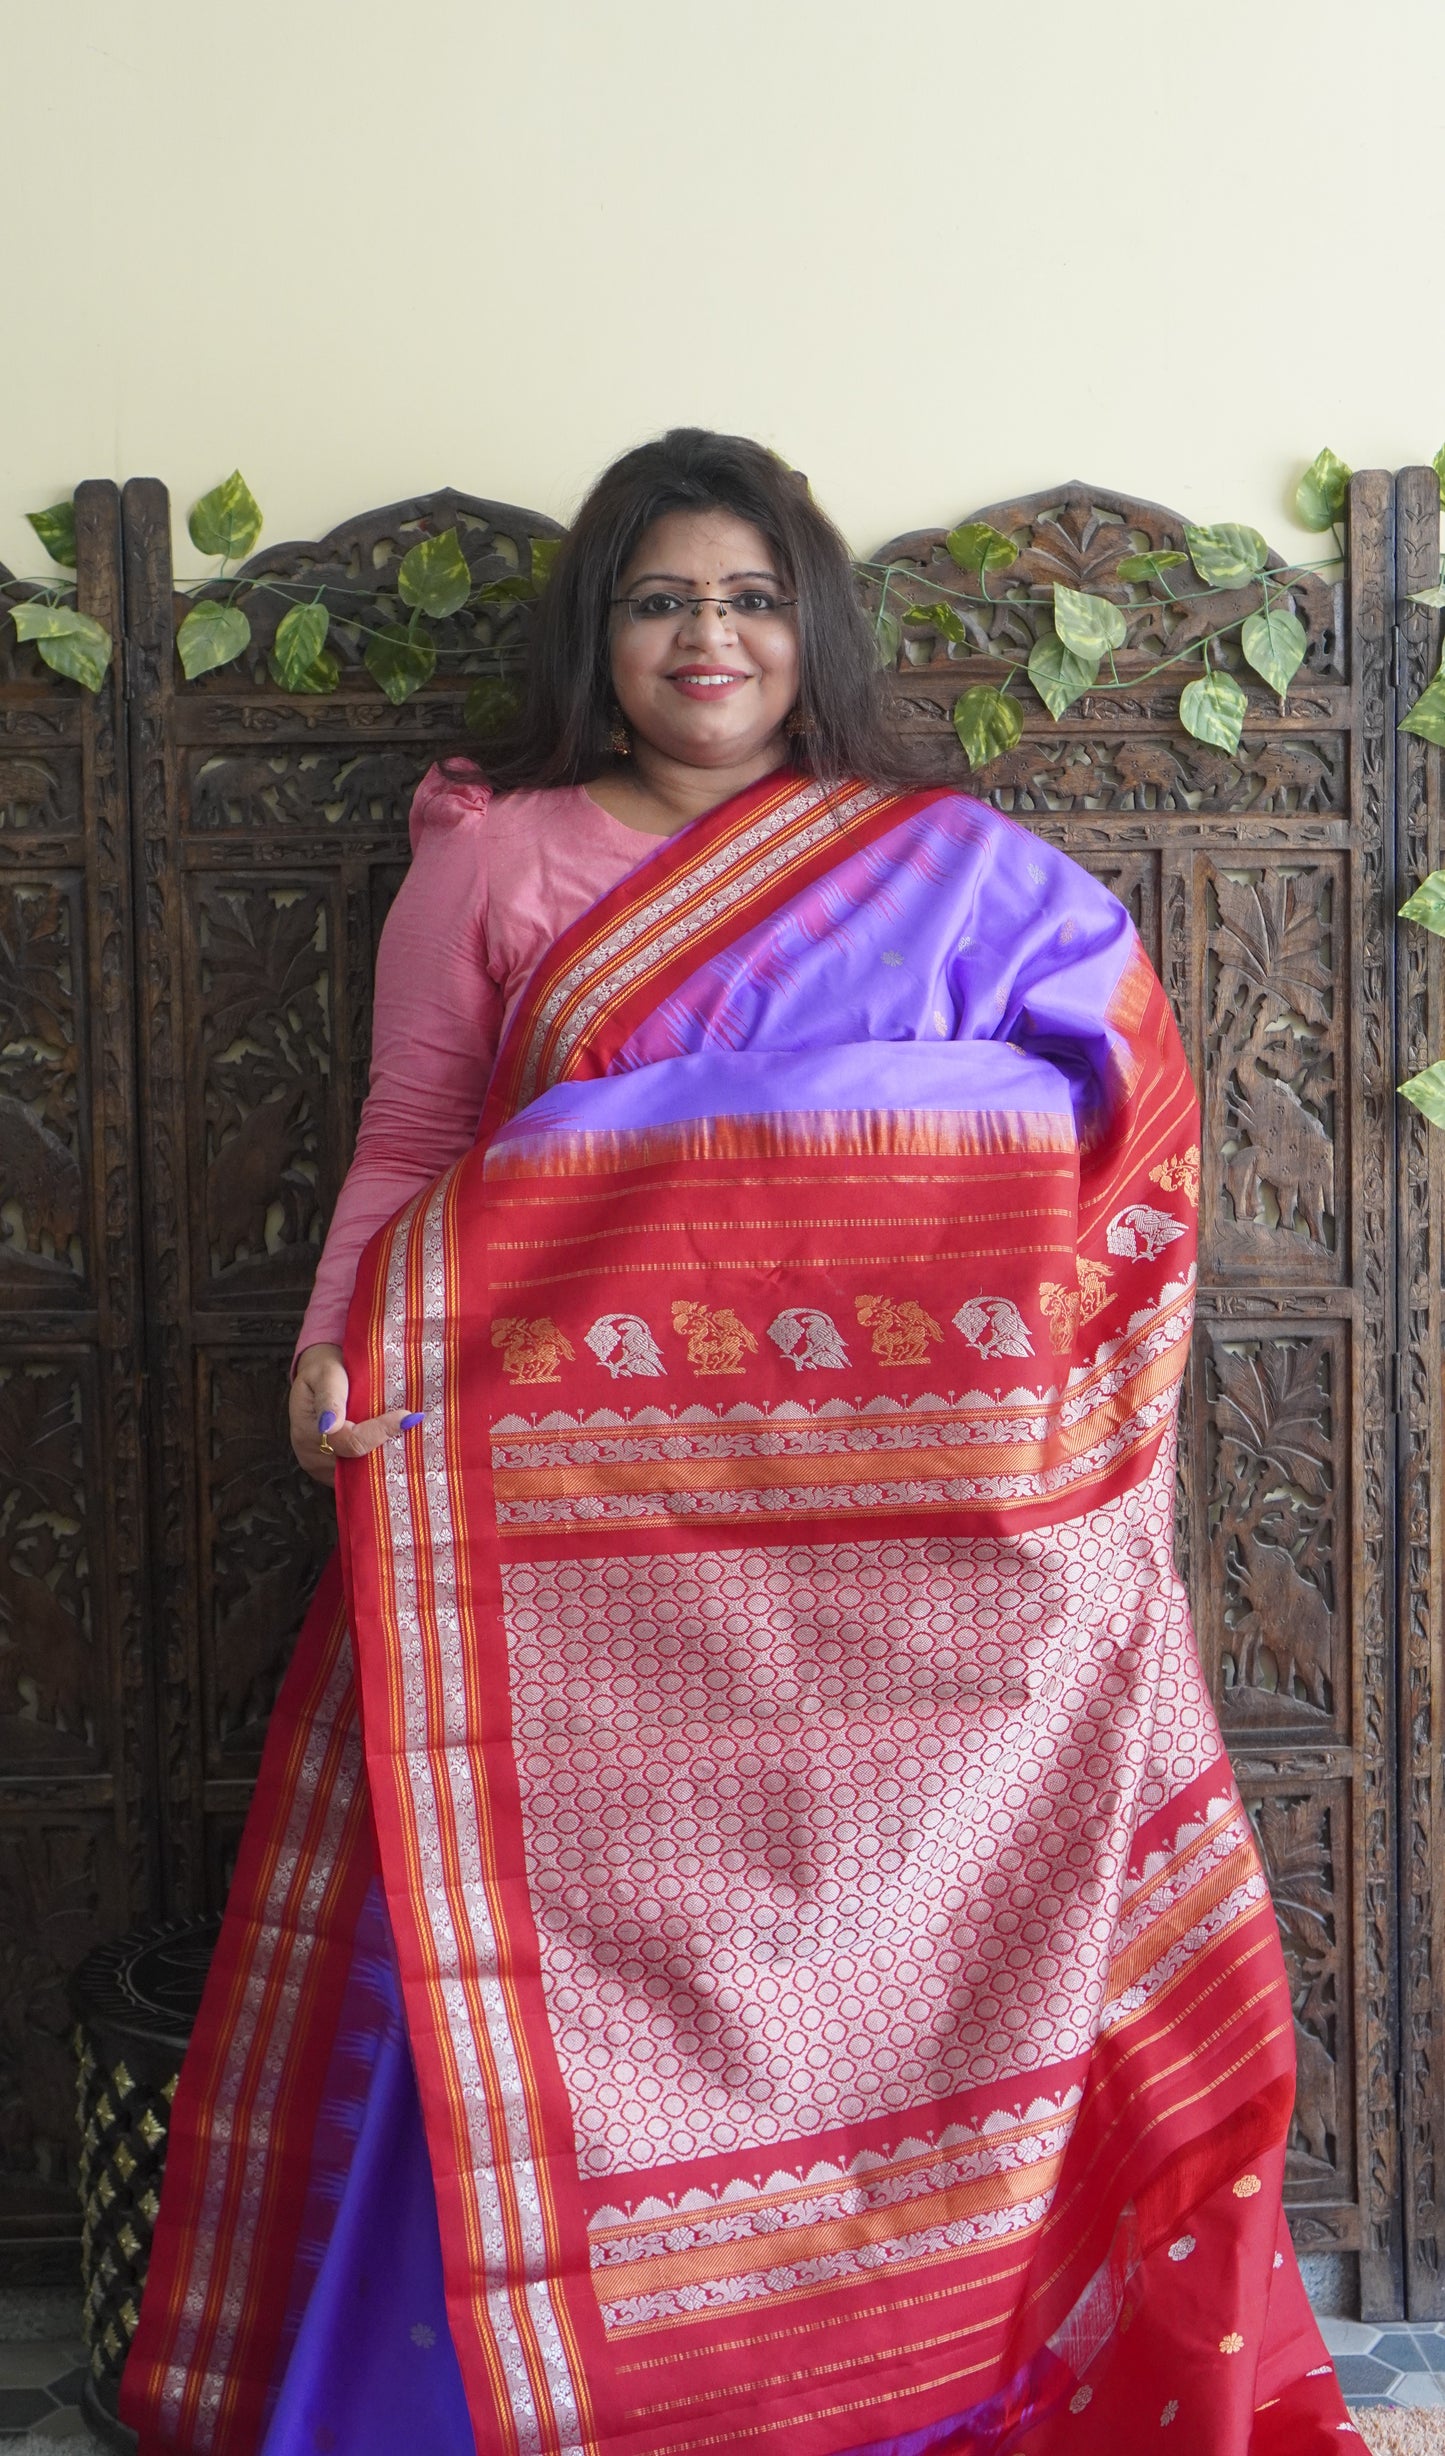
[436,1019]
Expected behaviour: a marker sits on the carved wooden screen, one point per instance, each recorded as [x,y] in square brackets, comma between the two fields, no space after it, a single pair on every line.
[76,1778]
[270,837]
[1421,1429]
[1259,883]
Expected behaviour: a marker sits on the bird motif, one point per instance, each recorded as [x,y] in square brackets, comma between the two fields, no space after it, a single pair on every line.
[995,1326]
[809,1340]
[624,1346]
[1139,1232]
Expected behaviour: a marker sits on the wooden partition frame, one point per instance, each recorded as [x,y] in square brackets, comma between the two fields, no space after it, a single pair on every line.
[217,1076]
[1420,1432]
[77,1770]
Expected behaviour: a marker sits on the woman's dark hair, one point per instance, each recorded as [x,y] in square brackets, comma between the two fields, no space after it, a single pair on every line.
[562,733]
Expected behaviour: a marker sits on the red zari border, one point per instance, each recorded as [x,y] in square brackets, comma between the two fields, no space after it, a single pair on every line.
[238,2157]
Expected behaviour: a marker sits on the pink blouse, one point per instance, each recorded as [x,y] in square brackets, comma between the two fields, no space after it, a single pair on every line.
[493,880]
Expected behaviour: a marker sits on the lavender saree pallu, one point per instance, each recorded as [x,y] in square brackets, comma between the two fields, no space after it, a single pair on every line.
[776,1812]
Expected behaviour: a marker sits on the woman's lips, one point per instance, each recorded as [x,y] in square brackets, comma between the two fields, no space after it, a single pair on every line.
[705,682]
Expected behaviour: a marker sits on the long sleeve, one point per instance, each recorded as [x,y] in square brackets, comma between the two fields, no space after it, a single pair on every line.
[435,1025]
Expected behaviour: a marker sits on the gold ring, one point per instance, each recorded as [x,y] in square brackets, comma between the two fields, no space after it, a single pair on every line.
[325,1446]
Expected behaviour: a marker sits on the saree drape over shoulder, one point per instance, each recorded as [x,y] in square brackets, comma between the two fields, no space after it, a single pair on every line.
[758,1774]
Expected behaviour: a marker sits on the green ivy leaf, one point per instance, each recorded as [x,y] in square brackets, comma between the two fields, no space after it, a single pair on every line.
[492,704]
[1087,625]
[1427,717]
[1274,643]
[977,547]
[1426,1092]
[1427,596]
[888,639]
[524,587]
[70,643]
[1227,554]
[1438,465]
[434,576]
[987,722]
[517,588]
[1149,566]
[1057,674]
[317,680]
[56,532]
[1427,904]
[300,638]
[939,617]
[211,635]
[401,660]
[1213,709]
[227,521]
[1320,495]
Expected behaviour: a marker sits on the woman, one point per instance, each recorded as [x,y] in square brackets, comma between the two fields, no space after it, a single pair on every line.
[746,1938]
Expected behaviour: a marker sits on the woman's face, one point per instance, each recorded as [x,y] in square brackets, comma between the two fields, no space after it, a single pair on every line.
[707,688]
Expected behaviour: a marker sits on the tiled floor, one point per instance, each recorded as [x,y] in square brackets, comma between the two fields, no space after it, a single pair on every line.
[42,2366]
[1391,2365]
[39,2386]
[40,2376]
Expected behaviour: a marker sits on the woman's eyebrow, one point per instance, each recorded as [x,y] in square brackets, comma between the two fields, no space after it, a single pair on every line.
[680,579]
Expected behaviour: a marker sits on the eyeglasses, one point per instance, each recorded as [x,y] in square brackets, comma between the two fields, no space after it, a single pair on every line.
[662,605]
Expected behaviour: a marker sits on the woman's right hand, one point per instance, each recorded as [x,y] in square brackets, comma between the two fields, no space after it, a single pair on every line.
[319,1389]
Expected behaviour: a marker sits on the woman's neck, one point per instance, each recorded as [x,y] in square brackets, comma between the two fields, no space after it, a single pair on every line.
[658,795]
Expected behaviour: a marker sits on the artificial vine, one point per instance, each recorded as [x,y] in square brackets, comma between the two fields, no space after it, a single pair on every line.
[433,584]
[1067,660]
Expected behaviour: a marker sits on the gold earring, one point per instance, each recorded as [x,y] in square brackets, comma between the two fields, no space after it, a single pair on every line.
[797,724]
[620,739]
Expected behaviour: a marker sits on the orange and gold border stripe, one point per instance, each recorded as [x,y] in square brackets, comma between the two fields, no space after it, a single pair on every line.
[238,2158]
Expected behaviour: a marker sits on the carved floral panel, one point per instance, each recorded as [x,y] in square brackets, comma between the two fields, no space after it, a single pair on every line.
[1302,1844]
[263,955]
[1277,1619]
[356,791]
[40,794]
[1274,1016]
[1079,539]
[42,1216]
[52,1692]
[269,1530]
[1133,772]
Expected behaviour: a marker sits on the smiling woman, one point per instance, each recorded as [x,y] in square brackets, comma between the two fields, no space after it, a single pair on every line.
[708,683]
[747,1937]
[698,518]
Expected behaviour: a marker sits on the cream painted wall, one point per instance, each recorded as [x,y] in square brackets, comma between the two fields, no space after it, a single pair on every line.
[935,252]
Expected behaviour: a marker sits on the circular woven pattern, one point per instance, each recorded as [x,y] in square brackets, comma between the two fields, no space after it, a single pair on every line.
[824,1833]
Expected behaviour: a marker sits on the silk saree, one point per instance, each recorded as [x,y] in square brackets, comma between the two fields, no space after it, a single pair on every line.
[747,1938]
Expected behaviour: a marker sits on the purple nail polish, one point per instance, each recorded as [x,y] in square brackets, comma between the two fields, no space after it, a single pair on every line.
[324,1423]
[408,1421]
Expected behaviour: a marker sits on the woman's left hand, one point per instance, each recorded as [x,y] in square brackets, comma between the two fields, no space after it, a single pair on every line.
[320,1430]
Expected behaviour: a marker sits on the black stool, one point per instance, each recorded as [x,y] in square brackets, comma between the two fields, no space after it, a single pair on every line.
[135,2004]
